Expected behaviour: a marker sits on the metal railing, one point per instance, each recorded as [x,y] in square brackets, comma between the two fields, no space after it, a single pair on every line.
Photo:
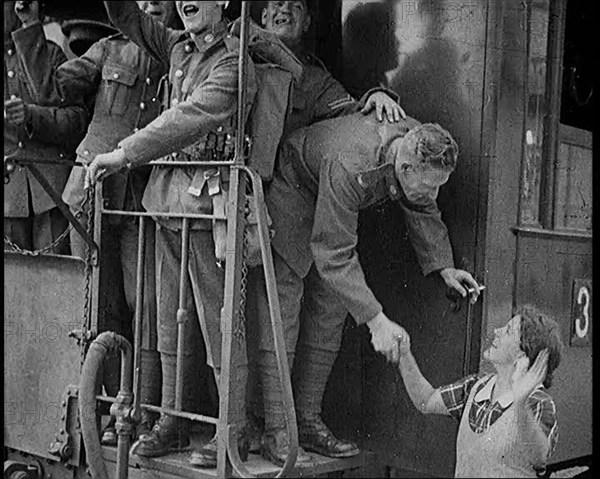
[232,384]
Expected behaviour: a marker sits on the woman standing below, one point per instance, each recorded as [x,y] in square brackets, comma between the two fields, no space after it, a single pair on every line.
[507,419]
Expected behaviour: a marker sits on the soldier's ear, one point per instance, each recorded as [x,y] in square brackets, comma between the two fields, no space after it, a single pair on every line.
[263,17]
[307,22]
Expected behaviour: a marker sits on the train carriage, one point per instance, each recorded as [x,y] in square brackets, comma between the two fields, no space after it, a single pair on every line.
[511,81]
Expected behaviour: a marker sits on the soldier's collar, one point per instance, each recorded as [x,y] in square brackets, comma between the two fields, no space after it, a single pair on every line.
[384,172]
[209,36]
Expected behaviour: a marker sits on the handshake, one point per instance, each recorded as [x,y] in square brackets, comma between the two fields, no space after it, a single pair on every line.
[392,340]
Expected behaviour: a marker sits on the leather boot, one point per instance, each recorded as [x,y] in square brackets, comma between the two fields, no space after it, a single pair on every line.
[315,436]
[276,447]
[206,457]
[169,434]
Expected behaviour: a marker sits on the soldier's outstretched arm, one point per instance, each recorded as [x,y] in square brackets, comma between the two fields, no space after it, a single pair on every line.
[150,34]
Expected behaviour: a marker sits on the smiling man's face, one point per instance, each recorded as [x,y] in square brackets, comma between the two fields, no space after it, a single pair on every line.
[287,20]
[163,11]
[198,15]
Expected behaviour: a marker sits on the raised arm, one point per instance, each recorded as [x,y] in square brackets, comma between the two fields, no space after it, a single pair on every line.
[423,395]
[66,82]
[150,34]
[448,400]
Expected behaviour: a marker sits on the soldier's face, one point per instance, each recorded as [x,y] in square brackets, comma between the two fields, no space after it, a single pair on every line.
[288,20]
[163,11]
[420,181]
[198,15]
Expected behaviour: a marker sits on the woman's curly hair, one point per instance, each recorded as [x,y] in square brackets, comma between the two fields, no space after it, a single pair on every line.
[539,332]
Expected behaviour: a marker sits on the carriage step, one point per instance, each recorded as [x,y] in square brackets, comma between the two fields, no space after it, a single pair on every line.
[176,466]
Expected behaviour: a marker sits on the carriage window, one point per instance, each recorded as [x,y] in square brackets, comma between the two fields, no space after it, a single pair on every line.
[578,67]
[573,190]
[556,185]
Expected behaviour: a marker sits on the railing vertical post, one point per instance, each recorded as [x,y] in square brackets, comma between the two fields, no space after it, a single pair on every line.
[182,316]
[234,363]
[139,313]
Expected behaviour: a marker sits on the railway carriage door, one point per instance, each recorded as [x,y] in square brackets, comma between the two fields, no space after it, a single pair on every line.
[433,54]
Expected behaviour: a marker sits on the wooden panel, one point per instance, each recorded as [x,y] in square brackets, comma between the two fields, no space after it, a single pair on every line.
[43,301]
[546,268]
[573,202]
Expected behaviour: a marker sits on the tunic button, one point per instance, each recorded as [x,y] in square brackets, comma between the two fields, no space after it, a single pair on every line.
[21,145]
[393,190]
[142,106]
[116,76]
[11,74]
[10,52]
[61,155]
[209,38]
[148,81]
[188,48]
[179,73]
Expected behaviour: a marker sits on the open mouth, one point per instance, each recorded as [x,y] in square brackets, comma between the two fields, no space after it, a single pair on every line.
[283,21]
[155,13]
[190,10]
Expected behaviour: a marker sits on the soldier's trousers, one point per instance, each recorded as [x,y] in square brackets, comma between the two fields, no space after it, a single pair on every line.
[204,283]
[119,254]
[313,320]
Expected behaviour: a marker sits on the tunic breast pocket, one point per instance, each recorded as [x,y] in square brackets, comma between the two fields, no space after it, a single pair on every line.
[117,86]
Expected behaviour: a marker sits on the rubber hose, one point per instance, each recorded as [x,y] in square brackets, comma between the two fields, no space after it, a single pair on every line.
[94,358]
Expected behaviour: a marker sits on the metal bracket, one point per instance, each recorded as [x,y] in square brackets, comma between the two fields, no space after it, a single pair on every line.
[82,337]
[62,445]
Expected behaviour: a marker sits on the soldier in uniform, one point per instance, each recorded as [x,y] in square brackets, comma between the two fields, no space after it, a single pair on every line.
[31,218]
[318,96]
[325,175]
[122,81]
[203,85]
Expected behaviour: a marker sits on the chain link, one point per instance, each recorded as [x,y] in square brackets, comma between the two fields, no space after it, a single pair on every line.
[86,320]
[240,327]
[13,247]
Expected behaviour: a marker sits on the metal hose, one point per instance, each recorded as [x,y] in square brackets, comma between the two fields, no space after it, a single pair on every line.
[104,344]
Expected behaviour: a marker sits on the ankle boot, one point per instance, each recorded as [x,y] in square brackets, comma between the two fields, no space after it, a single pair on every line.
[315,436]
[169,434]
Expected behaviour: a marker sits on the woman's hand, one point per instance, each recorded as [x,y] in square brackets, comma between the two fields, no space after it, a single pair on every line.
[525,381]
